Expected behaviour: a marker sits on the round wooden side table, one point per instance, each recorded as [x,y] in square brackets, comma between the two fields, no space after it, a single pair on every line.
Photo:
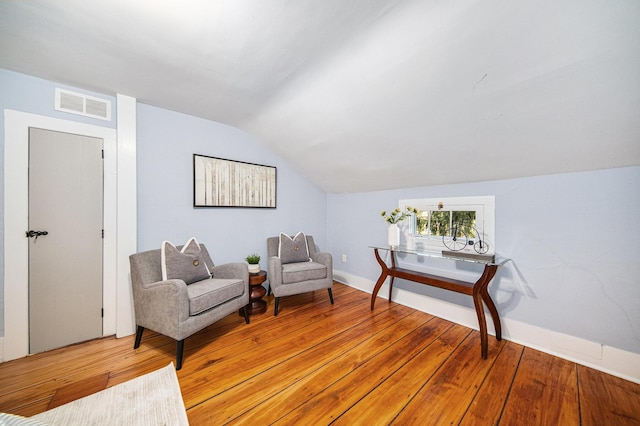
[256,293]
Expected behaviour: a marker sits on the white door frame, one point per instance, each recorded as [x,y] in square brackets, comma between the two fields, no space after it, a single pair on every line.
[16,160]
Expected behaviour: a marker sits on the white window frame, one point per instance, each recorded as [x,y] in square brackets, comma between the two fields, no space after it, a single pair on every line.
[484,206]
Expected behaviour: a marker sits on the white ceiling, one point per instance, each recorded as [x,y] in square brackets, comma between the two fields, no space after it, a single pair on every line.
[364,95]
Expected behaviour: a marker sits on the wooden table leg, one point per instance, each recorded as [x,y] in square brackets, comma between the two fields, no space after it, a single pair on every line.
[494,313]
[393,266]
[481,294]
[482,323]
[383,276]
[391,287]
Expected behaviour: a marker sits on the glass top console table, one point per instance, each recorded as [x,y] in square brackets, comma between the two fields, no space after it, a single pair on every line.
[477,290]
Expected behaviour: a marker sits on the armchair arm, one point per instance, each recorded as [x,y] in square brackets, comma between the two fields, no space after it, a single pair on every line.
[275,272]
[159,301]
[325,258]
[232,270]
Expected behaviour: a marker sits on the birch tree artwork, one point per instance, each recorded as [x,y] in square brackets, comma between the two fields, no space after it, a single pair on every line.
[226,183]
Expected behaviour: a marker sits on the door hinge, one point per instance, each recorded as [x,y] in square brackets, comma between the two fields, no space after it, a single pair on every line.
[103,233]
[102,313]
[103,154]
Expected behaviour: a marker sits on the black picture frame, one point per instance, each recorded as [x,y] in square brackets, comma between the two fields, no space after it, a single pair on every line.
[220,182]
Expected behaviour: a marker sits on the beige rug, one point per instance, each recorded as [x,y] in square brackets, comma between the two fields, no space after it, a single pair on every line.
[152,399]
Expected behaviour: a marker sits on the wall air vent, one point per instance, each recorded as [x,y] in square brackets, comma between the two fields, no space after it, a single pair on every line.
[80,104]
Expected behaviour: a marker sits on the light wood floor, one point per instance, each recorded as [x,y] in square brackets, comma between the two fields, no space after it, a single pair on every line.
[318,364]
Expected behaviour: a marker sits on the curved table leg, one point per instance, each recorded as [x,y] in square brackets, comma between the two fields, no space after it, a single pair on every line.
[391,287]
[494,313]
[383,276]
[482,322]
[481,294]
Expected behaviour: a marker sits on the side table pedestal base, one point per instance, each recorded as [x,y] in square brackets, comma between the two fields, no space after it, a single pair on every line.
[256,293]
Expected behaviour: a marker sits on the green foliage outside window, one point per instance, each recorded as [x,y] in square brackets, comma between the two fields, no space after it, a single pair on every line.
[422,223]
[468,221]
[438,222]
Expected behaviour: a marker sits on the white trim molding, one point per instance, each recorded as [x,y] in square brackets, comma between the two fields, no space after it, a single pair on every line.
[127,210]
[608,359]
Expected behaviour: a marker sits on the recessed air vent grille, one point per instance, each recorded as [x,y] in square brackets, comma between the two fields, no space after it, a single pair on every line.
[88,106]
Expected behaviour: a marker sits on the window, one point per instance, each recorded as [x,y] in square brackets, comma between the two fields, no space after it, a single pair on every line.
[465,224]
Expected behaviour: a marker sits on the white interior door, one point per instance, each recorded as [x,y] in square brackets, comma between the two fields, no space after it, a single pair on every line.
[65,264]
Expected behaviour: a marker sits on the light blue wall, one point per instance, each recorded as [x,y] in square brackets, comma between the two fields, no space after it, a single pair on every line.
[572,238]
[36,96]
[166,143]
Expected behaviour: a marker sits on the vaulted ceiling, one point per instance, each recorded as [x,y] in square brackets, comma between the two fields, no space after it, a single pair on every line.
[364,95]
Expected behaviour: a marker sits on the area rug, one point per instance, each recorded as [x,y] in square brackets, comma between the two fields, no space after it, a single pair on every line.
[152,399]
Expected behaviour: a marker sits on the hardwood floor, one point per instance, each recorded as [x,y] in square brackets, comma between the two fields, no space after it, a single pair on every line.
[317,363]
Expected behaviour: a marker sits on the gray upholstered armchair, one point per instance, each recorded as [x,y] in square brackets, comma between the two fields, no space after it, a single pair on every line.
[296,267]
[176,309]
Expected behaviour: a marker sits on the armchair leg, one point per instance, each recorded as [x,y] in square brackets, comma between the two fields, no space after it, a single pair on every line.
[179,352]
[139,332]
[245,311]
[275,308]
[330,295]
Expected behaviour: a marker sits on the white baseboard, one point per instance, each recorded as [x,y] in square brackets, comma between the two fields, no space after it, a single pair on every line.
[607,359]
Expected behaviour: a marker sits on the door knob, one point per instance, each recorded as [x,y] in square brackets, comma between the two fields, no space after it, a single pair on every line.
[31,233]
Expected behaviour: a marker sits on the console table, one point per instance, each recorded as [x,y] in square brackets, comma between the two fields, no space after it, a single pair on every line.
[478,290]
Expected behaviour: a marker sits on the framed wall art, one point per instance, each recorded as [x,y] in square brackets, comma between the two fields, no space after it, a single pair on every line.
[218,182]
